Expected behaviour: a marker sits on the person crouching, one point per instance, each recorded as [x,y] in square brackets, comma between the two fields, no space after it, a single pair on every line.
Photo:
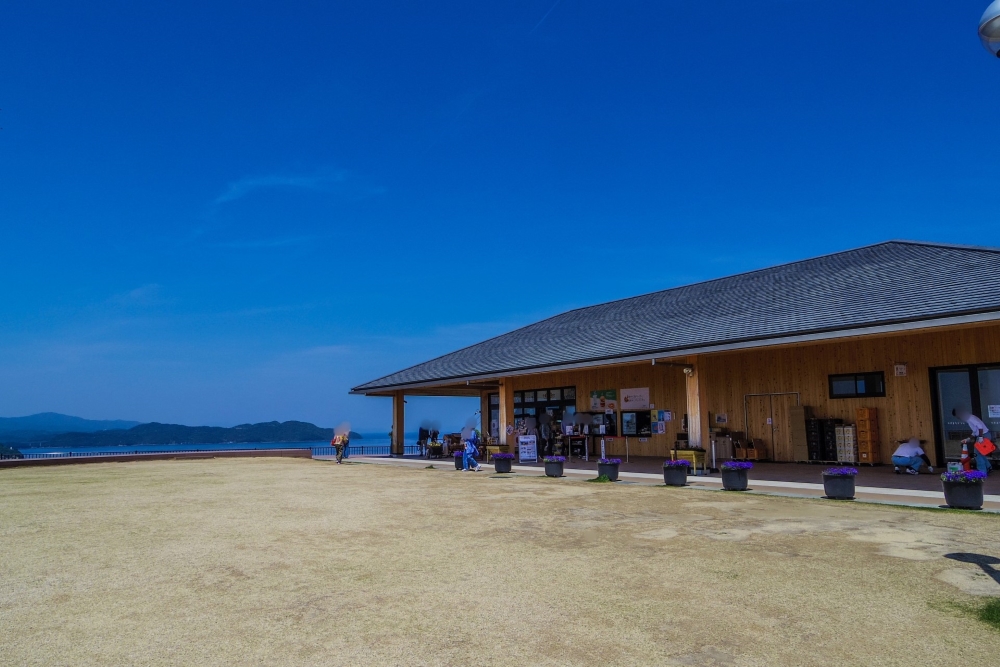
[908,457]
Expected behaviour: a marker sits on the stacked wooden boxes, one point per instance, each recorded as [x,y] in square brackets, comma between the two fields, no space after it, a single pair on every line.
[829,429]
[814,439]
[868,435]
[847,447]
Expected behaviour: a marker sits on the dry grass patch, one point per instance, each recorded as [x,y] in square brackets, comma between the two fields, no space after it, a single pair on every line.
[296,562]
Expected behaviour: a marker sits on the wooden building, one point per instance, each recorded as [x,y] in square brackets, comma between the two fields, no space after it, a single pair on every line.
[911,330]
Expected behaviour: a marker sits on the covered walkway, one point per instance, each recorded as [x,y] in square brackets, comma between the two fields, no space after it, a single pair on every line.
[874,484]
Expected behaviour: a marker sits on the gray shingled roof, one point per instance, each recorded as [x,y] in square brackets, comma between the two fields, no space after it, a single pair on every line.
[890,283]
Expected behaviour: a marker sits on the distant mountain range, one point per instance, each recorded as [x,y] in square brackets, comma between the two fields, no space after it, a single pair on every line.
[45,425]
[122,433]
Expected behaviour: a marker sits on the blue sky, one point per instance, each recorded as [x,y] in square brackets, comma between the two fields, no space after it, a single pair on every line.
[214,213]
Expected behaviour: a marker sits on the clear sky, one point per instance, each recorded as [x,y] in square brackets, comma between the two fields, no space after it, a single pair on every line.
[215,213]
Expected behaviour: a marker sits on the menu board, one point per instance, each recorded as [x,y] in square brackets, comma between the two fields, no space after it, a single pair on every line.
[527,448]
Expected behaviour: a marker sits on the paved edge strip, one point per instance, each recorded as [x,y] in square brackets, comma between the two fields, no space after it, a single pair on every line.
[699,480]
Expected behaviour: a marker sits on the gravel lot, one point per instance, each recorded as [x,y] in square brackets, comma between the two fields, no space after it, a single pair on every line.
[298,562]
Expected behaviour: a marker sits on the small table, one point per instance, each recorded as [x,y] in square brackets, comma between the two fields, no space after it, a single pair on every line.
[695,456]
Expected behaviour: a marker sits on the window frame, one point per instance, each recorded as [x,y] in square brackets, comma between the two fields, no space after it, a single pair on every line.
[865,377]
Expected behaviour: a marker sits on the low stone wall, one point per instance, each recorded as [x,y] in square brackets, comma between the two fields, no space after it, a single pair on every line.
[158,456]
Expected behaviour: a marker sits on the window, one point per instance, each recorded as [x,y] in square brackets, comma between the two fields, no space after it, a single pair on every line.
[857,385]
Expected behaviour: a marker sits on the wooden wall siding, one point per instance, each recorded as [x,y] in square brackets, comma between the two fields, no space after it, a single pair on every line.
[726,378]
[666,391]
[905,411]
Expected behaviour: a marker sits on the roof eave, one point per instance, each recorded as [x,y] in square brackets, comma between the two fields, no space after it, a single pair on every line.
[770,341]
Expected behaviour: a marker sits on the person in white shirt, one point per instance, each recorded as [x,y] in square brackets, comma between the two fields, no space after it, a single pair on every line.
[979,431]
[908,457]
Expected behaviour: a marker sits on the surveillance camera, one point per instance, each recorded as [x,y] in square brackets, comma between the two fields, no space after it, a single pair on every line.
[989,28]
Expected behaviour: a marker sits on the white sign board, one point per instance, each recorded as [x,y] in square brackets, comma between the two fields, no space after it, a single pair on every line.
[994,412]
[635,399]
[527,448]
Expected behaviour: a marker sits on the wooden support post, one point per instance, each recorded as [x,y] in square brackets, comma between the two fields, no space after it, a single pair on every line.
[398,423]
[697,415]
[507,414]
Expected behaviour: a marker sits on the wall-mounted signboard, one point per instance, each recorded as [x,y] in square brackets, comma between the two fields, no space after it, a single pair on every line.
[603,400]
[635,399]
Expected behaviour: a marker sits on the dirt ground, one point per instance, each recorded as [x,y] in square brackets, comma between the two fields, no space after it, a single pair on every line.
[298,562]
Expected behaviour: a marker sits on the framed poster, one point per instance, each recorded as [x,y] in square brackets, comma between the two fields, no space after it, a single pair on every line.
[541,396]
[603,399]
[569,394]
[555,394]
[529,397]
[635,399]
[517,398]
[628,423]
[527,448]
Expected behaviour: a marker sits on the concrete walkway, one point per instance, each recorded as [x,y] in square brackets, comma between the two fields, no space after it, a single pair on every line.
[777,487]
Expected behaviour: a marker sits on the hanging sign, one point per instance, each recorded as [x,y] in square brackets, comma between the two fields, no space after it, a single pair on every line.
[635,399]
[527,448]
[510,429]
[603,400]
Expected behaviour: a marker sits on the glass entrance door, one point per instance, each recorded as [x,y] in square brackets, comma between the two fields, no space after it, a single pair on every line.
[972,388]
[954,390]
[989,398]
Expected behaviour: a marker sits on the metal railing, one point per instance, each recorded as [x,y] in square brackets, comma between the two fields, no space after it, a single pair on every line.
[365,450]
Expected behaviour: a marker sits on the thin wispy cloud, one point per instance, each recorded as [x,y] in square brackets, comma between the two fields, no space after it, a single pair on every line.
[140,296]
[241,188]
[539,24]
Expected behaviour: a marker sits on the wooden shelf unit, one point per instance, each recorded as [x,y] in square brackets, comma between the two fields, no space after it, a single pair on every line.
[868,436]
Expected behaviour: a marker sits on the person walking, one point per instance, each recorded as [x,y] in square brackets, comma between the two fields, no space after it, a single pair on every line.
[981,439]
[470,454]
[341,442]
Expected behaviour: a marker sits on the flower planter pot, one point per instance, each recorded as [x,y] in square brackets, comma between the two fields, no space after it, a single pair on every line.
[963,495]
[675,475]
[554,469]
[610,470]
[734,480]
[458,463]
[502,465]
[839,487]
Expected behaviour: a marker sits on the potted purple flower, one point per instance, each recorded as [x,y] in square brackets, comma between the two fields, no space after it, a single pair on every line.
[502,461]
[608,468]
[964,489]
[675,473]
[734,475]
[838,483]
[554,465]
[459,460]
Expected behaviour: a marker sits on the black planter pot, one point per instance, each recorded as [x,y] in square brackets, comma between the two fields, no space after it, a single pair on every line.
[675,475]
[608,469]
[458,463]
[554,469]
[734,480]
[963,496]
[502,465]
[839,487]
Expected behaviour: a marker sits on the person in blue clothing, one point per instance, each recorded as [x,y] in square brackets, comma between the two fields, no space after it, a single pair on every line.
[471,450]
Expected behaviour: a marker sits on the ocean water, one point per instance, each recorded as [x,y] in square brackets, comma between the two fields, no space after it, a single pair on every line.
[374,444]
